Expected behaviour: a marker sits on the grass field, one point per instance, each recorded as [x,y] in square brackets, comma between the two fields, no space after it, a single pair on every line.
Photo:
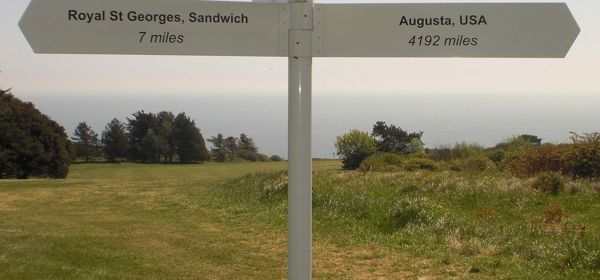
[228,221]
[135,221]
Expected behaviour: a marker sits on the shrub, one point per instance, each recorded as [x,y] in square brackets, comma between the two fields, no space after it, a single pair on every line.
[508,154]
[546,158]
[382,162]
[263,157]
[473,164]
[419,163]
[549,182]
[31,144]
[354,147]
[458,151]
[441,153]
[248,155]
[554,214]
[276,158]
[497,155]
[585,156]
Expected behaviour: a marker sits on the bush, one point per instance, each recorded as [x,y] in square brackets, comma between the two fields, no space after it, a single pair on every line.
[276,158]
[508,154]
[585,156]
[31,144]
[458,151]
[354,147]
[382,162]
[473,164]
[546,158]
[549,182]
[263,157]
[419,163]
[248,155]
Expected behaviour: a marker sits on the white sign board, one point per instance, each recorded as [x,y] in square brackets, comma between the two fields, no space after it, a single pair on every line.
[156,27]
[187,27]
[444,30]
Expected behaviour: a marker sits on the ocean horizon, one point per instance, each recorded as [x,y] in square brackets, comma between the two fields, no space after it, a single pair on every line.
[444,119]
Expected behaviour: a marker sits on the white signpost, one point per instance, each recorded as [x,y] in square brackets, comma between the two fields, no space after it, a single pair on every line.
[299,30]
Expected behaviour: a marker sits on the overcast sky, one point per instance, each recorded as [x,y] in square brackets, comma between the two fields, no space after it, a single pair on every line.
[31,74]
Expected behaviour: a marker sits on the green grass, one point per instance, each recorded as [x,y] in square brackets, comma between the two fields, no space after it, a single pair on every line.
[228,221]
[132,221]
[451,225]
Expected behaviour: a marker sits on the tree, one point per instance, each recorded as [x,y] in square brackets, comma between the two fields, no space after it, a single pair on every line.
[246,148]
[355,146]
[31,144]
[150,147]
[392,139]
[218,148]
[137,128]
[165,133]
[86,141]
[231,146]
[246,143]
[114,140]
[189,142]
[416,147]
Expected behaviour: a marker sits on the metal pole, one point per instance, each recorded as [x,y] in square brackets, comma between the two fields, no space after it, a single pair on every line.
[299,141]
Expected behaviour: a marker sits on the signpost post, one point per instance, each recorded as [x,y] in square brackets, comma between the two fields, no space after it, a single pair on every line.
[299,30]
[299,140]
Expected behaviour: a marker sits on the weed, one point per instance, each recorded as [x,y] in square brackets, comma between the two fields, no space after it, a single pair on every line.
[404,212]
[554,214]
[280,184]
[485,213]
[548,182]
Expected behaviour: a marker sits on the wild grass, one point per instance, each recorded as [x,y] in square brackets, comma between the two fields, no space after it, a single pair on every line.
[452,225]
[229,221]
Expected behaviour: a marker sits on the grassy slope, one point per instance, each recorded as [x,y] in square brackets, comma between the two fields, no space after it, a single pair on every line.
[135,221]
[180,221]
[452,226]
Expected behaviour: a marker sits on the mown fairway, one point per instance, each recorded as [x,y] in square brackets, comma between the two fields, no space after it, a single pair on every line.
[136,221]
[214,221]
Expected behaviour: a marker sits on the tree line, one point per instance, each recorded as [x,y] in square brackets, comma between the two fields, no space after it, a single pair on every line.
[33,145]
[389,148]
[160,138]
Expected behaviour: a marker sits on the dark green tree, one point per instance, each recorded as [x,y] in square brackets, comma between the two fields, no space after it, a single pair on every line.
[114,141]
[165,133]
[151,145]
[393,139]
[218,149]
[31,144]
[137,128]
[246,143]
[86,141]
[189,142]
[246,148]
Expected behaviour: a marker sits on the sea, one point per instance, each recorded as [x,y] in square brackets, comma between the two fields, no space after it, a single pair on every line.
[444,119]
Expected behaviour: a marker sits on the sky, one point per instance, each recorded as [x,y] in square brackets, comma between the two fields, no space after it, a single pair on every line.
[42,77]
